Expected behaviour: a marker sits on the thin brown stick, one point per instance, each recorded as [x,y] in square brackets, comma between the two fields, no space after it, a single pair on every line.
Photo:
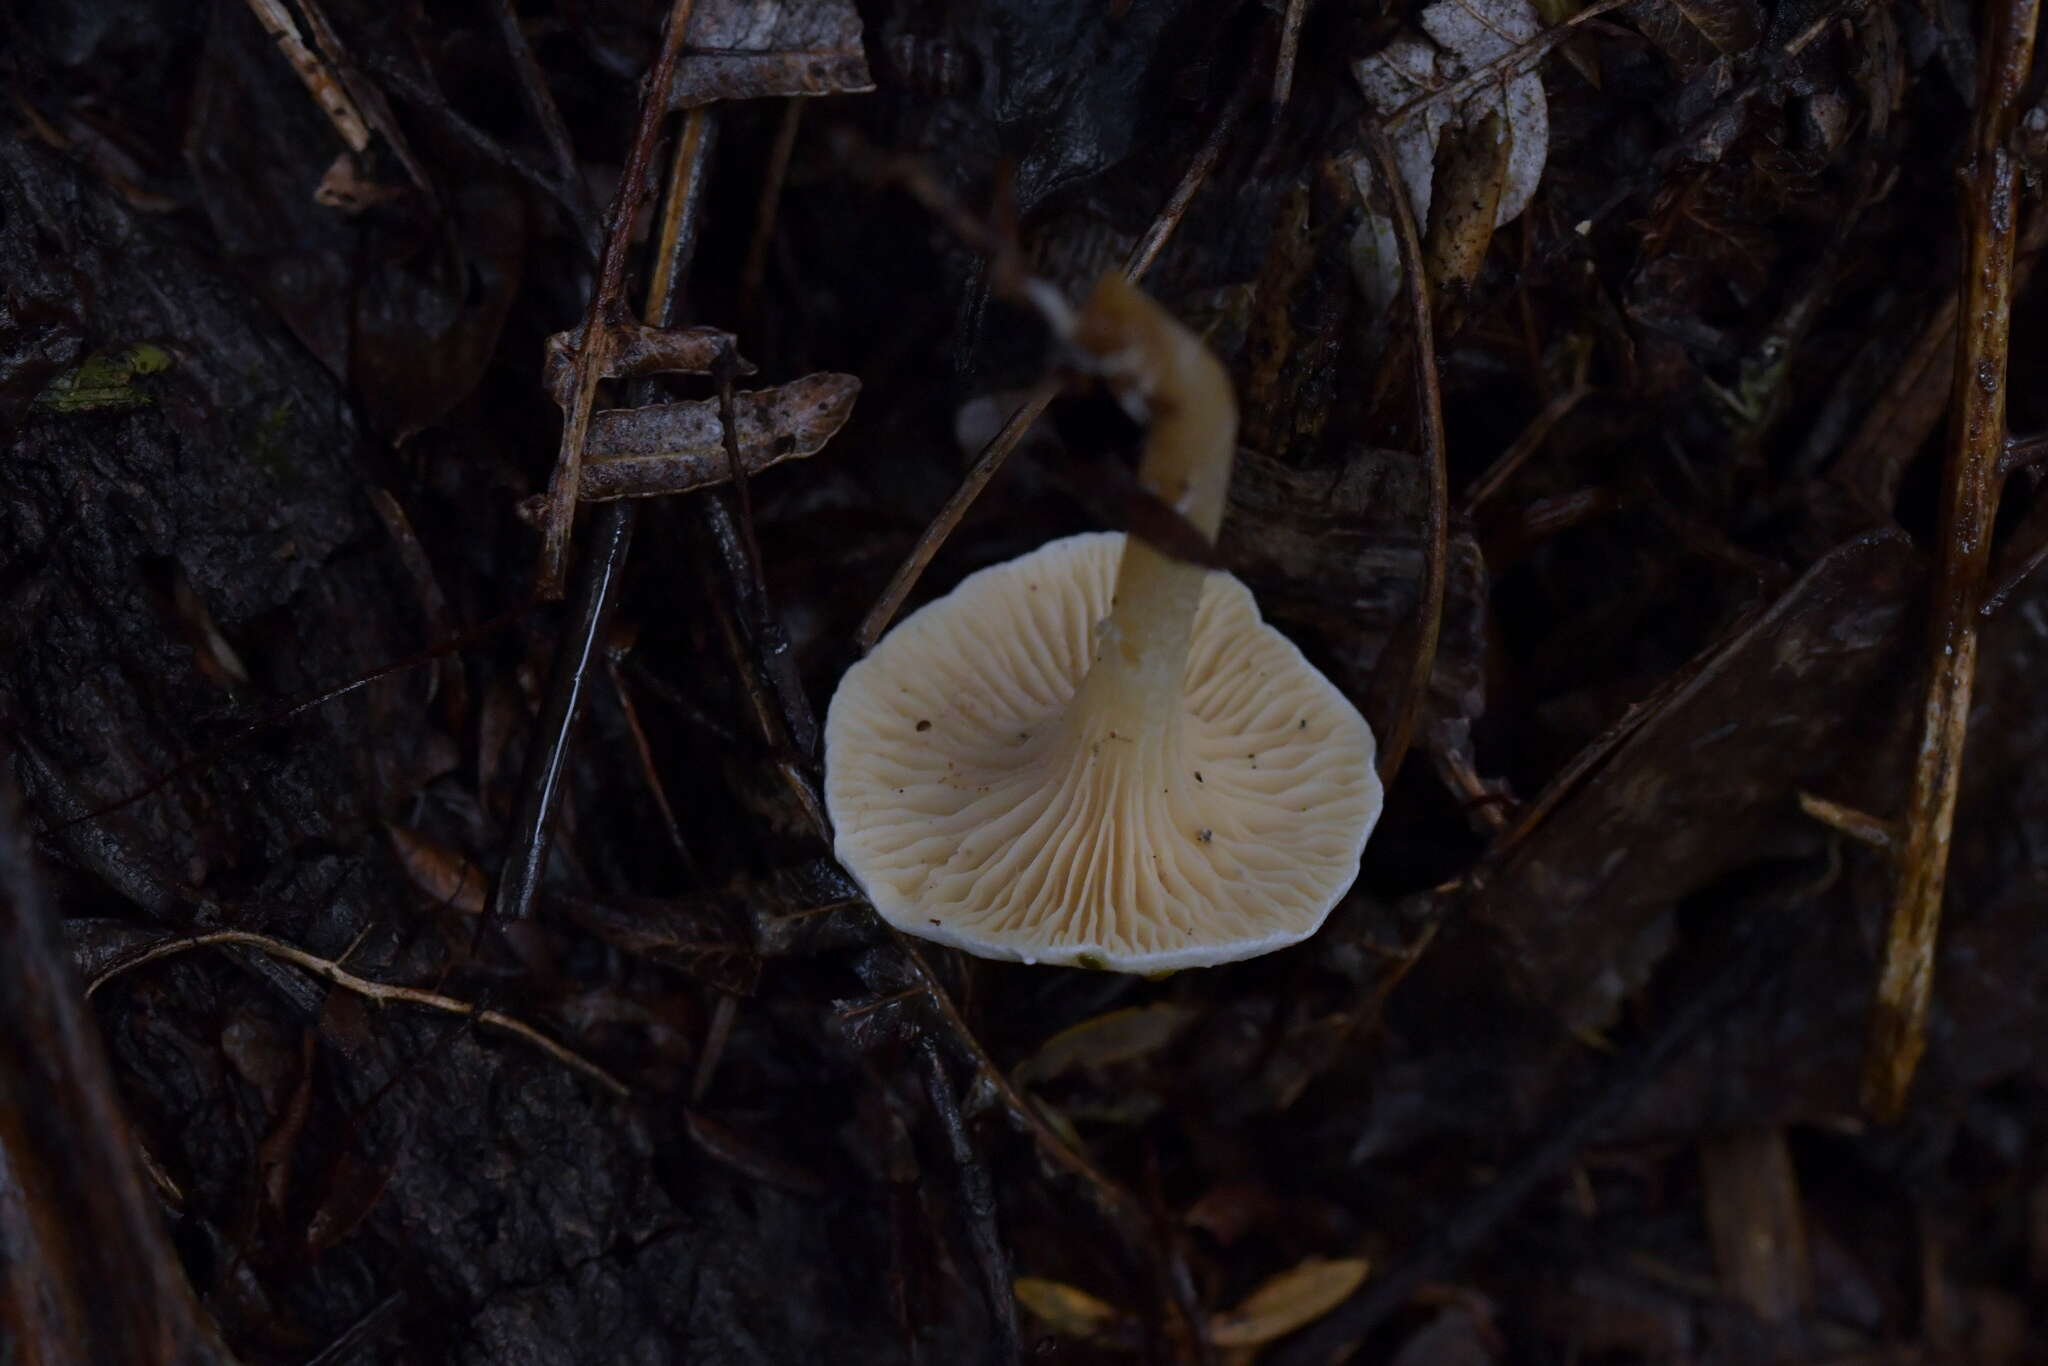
[376,110]
[756,268]
[1124,1211]
[650,771]
[1860,826]
[212,754]
[1528,443]
[540,102]
[331,971]
[978,1209]
[1290,46]
[715,1037]
[604,301]
[1004,441]
[1429,405]
[687,169]
[1968,512]
[941,526]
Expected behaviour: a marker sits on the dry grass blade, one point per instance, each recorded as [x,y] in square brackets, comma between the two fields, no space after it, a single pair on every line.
[1529,442]
[1429,404]
[1860,826]
[330,971]
[1969,509]
[999,447]
[605,300]
[755,270]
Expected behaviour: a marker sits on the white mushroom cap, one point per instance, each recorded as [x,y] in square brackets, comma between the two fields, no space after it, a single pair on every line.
[979,804]
[1098,754]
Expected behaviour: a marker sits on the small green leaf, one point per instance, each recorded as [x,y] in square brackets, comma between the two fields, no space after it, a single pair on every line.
[103,381]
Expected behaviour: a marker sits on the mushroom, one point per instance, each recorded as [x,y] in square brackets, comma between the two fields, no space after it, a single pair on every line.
[1097,754]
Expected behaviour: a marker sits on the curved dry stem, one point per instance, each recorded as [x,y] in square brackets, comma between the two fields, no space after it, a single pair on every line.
[329,970]
[1429,403]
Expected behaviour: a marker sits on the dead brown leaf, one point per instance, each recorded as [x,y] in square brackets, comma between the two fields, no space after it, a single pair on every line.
[757,49]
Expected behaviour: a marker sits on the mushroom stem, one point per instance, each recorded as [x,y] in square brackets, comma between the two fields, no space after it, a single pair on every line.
[1133,687]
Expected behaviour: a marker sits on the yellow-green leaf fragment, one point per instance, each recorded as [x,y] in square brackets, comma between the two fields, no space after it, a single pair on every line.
[104,381]
[1119,1036]
[1288,1301]
[1067,1311]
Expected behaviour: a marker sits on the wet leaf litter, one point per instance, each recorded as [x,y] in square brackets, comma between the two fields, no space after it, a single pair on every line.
[451,459]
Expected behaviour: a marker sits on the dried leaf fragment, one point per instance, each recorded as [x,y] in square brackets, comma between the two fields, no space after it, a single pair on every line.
[632,350]
[1119,1036]
[443,874]
[1290,1300]
[104,381]
[1470,176]
[1069,1312]
[1458,38]
[758,49]
[676,447]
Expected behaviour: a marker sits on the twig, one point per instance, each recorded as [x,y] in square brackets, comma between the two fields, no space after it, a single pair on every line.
[1004,441]
[681,215]
[376,110]
[1111,1198]
[375,1322]
[713,1051]
[1429,405]
[611,529]
[941,526]
[2023,452]
[1860,826]
[1528,443]
[914,175]
[1123,1209]
[1290,45]
[783,709]
[571,198]
[1969,509]
[320,83]
[540,102]
[2024,554]
[605,301]
[291,711]
[329,970]
[547,757]
[649,770]
[756,268]
[977,1207]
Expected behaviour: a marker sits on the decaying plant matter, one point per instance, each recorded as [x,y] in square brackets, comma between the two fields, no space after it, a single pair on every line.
[453,452]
